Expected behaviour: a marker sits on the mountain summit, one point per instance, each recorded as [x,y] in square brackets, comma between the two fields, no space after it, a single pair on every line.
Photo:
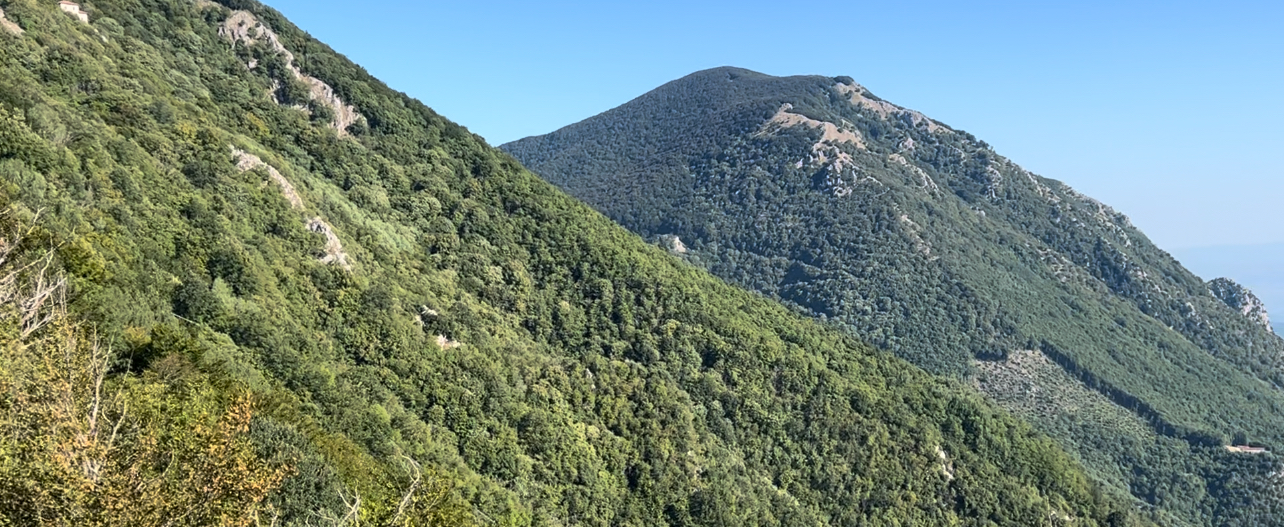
[920,238]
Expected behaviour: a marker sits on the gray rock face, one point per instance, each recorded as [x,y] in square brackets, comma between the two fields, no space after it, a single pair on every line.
[1241,299]
[244,27]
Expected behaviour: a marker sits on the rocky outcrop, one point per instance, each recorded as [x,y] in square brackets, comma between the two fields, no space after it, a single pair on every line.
[1242,300]
[858,96]
[825,151]
[244,27]
[8,25]
[924,181]
[333,251]
[74,9]
[673,243]
[246,161]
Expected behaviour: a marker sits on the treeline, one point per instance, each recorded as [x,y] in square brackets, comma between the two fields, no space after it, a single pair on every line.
[1133,404]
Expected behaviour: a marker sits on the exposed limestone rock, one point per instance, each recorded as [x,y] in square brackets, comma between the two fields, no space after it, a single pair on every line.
[447,344]
[1241,299]
[426,315]
[243,26]
[333,247]
[1106,216]
[831,133]
[861,98]
[915,230]
[678,246]
[333,252]
[673,243]
[246,161]
[841,186]
[73,9]
[825,151]
[947,466]
[8,25]
[994,182]
[925,181]
[1043,190]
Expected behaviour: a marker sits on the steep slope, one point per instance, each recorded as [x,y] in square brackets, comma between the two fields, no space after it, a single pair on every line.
[254,224]
[924,241]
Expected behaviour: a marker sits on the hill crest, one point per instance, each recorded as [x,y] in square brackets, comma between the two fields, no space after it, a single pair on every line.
[922,239]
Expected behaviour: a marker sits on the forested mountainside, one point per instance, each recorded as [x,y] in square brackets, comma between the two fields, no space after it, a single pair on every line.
[245,283]
[922,240]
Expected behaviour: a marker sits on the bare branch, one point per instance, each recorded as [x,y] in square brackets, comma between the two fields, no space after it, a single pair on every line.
[415,479]
[354,509]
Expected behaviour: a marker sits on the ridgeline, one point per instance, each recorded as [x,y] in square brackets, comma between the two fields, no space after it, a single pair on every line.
[920,239]
[246,283]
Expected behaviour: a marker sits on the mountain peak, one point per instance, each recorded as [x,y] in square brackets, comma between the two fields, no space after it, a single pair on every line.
[1241,299]
[923,240]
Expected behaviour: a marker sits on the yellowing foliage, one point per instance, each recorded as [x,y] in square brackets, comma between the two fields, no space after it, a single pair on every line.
[78,447]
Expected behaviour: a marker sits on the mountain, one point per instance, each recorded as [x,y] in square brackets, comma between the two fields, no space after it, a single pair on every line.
[245,283]
[1255,266]
[922,240]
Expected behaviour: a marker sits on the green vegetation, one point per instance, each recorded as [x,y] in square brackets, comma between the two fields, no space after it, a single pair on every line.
[389,322]
[920,239]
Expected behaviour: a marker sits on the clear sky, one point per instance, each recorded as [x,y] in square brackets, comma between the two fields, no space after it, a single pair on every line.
[1169,111]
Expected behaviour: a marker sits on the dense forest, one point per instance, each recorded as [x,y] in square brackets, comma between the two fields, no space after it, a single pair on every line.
[921,240]
[242,282]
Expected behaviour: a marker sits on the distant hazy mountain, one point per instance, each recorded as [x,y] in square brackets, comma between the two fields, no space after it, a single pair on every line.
[922,239]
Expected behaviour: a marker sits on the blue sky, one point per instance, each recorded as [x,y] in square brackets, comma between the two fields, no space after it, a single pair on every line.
[1169,111]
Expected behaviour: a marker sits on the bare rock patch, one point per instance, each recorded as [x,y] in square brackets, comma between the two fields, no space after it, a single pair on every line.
[446,343]
[925,181]
[333,251]
[243,26]
[8,25]
[830,132]
[825,151]
[856,94]
[246,161]
[1242,300]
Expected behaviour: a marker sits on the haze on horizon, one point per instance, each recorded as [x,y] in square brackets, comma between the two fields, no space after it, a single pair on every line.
[1167,111]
